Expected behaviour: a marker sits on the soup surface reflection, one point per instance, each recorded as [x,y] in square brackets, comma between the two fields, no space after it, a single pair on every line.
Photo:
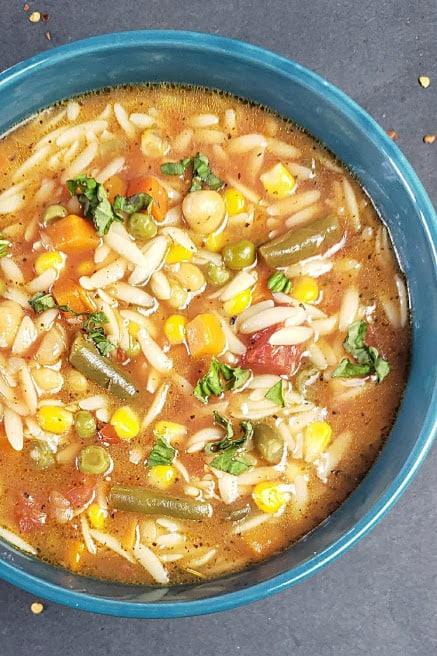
[204,334]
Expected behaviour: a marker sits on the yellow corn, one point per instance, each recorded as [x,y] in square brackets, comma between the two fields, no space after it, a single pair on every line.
[73,554]
[133,328]
[316,438]
[54,419]
[97,516]
[305,289]
[215,241]
[178,253]
[85,268]
[234,201]
[278,181]
[162,476]
[269,497]
[126,423]
[49,260]
[170,431]
[174,328]
[238,303]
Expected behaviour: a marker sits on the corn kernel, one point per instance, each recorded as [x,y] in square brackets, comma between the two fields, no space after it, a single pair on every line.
[49,260]
[178,253]
[238,303]
[269,497]
[174,328]
[97,516]
[54,419]
[73,554]
[162,476]
[317,435]
[85,268]
[215,241]
[170,431]
[126,423]
[133,328]
[234,201]
[305,289]
[278,181]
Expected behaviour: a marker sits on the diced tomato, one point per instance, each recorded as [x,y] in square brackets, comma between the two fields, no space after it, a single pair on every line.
[264,358]
[29,512]
[80,496]
[107,435]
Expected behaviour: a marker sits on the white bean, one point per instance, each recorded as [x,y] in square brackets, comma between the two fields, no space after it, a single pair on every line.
[203,210]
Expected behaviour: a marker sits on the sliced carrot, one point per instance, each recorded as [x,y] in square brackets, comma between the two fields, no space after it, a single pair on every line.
[68,292]
[151,186]
[115,186]
[73,235]
[205,336]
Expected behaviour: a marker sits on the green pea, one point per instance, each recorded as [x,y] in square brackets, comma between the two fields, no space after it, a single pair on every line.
[268,443]
[142,225]
[84,423]
[239,255]
[41,455]
[53,212]
[217,275]
[94,459]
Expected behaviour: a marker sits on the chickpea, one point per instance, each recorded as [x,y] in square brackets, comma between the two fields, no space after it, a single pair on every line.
[204,210]
[11,315]
[190,276]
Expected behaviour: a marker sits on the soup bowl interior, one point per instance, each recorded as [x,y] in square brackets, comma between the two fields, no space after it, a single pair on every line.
[335,120]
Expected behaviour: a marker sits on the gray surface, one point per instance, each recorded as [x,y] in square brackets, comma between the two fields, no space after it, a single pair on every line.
[381,597]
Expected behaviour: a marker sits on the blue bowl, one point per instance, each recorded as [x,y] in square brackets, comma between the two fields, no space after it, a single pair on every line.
[333,118]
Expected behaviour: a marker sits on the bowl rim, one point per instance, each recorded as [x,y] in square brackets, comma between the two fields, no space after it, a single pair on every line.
[260,57]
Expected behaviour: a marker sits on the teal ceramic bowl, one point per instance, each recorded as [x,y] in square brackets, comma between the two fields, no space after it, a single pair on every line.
[362,145]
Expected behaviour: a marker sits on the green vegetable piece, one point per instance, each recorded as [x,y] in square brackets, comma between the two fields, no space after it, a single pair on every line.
[94,201]
[41,455]
[229,461]
[211,383]
[217,275]
[278,282]
[85,357]
[275,394]
[53,212]
[268,443]
[239,255]
[232,514]
[202,174]
[300,243]
[132,204]
[41,302]
[368,360]
[84,424]
[142,226]
[94,459]
[4,245]
[148,502]
[176,168]
[306,377]
[161,454]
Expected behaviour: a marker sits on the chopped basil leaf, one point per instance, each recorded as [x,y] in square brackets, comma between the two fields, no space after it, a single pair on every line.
[275,394]
[278,282]
[4,245]
[229,463]
[131,204]
[41,302]
[211,383]
[161,454]
[201,176]
[94,201]
[367,357]
[97,335]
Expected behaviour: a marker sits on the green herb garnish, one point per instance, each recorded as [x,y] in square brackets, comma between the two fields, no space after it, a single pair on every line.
[4,245]
[212,382]
[278,282]
[368,360]
[41,302]
[161,454]
[275,394]
[201,174]
[228,461]
[95,204]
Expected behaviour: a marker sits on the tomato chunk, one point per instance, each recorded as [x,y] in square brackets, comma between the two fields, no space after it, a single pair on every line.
[264,358]
[29,512]
[80,496]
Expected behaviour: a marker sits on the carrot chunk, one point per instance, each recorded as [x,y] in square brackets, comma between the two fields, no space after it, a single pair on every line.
[205,336]
[73,235]
[115,186]
[151,186]
[68,292]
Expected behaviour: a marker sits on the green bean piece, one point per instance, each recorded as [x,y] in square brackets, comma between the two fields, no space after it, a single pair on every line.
[233,514]
[141,225]
[94,459]
[84,424]
[268,443]
[41,455]
[148,502]
[239,255]
[306,377]
[53,212]
[85,357]
[300,243]
[217,275]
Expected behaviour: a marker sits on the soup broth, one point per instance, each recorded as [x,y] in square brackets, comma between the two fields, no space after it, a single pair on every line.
[204,334]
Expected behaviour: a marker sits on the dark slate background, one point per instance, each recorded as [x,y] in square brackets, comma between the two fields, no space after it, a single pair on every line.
[380,599]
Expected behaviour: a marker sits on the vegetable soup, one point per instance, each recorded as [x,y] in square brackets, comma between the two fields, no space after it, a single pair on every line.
[204,334]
